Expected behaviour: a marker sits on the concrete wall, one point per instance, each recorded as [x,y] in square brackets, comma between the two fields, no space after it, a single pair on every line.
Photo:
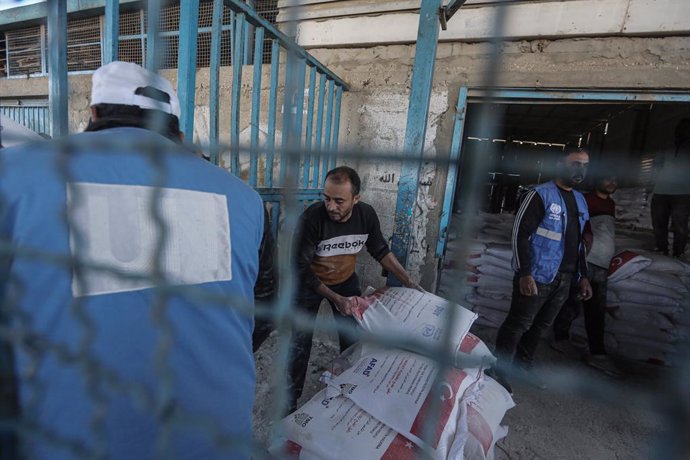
[372,22]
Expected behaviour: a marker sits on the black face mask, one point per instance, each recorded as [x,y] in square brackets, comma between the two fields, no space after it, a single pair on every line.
[573,174]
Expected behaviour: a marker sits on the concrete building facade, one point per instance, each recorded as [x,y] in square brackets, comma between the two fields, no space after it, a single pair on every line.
[612,45]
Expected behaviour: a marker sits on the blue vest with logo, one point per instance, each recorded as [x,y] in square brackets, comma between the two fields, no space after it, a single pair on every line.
[214,226]
[547,243]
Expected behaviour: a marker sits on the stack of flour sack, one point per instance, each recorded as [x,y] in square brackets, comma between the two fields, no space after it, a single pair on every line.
[648,299]
[648,302]
[382,402]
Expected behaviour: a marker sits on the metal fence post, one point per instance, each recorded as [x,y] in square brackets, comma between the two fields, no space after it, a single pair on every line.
[256,106]
[152,35]
[186,68]
[214,71]
[57,65]
[418,111]
[112,32]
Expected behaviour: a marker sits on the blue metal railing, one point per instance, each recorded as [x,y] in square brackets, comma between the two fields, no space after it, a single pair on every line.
[34,117]
[319,140]
[295,131]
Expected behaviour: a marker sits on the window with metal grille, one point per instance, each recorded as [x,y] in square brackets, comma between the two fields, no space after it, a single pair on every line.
[84,44]
[25,51]
[269,10]
[3,55]
[25,54]
[131,46]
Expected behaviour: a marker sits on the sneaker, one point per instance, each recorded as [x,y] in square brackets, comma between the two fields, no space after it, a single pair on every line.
[605,364]
[500,378]
[531,377]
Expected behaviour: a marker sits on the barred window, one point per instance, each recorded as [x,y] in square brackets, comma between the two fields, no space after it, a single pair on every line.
[84,44]
[3,55]
[24,51]
[130,24]
[268,9]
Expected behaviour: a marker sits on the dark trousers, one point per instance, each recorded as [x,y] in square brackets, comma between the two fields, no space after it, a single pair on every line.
[262,329]
[528,318]
[675,208]
[594,310]
[308,301]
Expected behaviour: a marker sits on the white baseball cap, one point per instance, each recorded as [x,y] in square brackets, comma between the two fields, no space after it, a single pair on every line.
[129,84]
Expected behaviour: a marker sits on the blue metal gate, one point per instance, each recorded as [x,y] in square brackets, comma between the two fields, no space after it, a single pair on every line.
[34,117]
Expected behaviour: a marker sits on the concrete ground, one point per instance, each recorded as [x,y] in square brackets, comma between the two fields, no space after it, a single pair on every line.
[610,421]
[563,423]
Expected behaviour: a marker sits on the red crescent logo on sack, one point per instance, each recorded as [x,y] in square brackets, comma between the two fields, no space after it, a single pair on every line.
[620,260]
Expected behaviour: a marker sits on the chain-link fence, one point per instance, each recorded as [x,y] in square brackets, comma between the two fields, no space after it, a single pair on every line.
[117,296]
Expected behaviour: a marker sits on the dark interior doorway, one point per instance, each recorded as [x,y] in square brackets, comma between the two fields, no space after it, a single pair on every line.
[624,136]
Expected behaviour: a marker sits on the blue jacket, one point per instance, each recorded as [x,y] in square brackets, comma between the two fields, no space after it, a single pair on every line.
[204,376]
[547,243]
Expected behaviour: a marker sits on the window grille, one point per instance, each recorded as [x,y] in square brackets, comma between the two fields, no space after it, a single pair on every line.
[170,18]
[84,44]
[169,45]
[130,24]
[131,51]
[24,51]
[269,10]
[3,55]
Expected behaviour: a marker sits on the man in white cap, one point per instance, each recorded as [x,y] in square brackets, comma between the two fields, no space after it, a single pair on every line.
[126,292]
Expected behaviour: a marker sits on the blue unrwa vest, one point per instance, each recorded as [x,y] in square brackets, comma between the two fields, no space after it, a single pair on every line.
[547,243]
[125,387]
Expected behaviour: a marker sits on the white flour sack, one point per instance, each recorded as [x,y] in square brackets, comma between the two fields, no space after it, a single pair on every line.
[476,349]
[395,386]
[484,410]
[626,264]
[419,315]
[666,264]
[336,429]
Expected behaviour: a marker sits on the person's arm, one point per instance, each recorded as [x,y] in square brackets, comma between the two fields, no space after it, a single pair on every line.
[306,240]
[527,220]
[391,264]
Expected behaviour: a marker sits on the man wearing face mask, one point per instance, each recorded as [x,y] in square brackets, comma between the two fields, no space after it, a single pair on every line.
[548,251]
[600,235]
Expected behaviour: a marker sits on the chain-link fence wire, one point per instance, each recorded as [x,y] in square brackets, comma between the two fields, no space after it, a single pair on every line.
[19,333]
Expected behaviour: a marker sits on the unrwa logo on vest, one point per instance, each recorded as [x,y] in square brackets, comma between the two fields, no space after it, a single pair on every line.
[370,367]
[555,211]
